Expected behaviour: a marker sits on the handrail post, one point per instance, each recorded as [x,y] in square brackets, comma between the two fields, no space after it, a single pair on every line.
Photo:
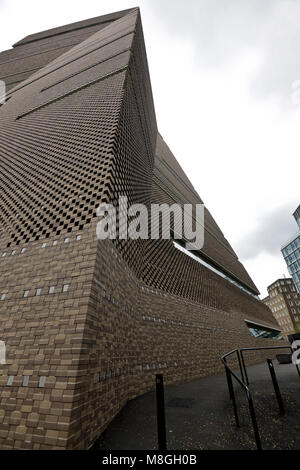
[253,419]
[240,365]
[244,367]
[228,382]
[276,386]
[160,409]
[232,396]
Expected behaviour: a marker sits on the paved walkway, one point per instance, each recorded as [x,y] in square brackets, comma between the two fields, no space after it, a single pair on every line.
[199,415]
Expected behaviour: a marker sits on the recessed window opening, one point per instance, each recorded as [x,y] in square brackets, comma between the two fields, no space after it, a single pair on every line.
[261,331]
[180,245]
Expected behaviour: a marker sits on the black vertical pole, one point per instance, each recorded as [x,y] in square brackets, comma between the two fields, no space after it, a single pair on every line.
[244,367]
[254,422]
[297,367]
[276,386]
[160,409]
[228,379]
[232,397]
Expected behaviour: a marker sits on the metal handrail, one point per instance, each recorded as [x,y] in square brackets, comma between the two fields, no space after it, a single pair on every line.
[229,374]
[239,361]
[244,383]
[261,348]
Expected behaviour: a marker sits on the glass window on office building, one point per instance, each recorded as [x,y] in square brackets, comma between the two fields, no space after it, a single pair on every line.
[291,253]
[261,331]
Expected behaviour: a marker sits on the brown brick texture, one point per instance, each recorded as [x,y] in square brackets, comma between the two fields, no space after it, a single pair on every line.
[87,324]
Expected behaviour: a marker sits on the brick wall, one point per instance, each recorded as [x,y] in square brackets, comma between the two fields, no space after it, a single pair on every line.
[87,324]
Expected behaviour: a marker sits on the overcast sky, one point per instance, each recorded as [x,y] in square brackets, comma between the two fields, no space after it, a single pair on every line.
[222,73]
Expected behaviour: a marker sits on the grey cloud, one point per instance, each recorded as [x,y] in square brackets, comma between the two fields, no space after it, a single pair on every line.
[272,231]
[220,30]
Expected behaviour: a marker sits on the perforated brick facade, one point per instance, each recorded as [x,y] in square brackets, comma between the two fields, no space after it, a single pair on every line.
[86,323]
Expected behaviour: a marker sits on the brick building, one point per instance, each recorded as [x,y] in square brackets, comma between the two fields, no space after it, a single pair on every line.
[88,323]
[284,302]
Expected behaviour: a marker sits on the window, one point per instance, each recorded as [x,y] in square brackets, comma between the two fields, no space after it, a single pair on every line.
[261,331]
[197,257]
[3,296]
[51,290]
[26,293]
[38,291]
[10,380]
[42,381]
[66,240]
[44,245]
[65,288]
[54,243]
[4,254]
[23,250]
[13,252]
[78,237]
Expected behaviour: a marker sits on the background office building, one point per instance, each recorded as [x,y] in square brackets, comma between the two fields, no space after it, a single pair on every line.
[284,302]
[291,253]
[88,323]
